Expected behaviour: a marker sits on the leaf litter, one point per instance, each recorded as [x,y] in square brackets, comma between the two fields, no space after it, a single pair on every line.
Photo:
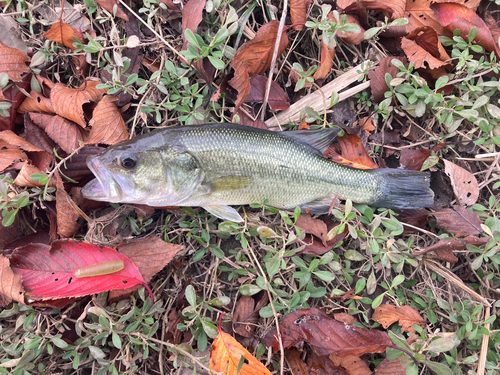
[60,115]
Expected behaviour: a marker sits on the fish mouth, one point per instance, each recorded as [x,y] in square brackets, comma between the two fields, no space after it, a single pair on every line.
[104,187]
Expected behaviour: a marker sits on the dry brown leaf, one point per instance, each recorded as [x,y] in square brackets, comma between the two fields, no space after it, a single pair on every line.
[226,354]
[459,221]
[390,367]
[109,5]
[64,132]
[23,178]
[326,63]
[36,102]
[352,38]
[67,215]
[13,62]
[108,126]
[14,140]
[422,46]
[353,364]
[10,157]
[61,32]
[444,248]
[255,57]
[68,102]
[345,318]
[377,80]
[352,152]
[297,367]
[313,226]
[278,98]
[464,183]
[11,285]
[406,315]
[246,314]
[298,14]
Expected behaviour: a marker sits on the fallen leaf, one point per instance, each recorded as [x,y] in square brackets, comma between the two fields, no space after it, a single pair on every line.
[246,314]
[323,365]
[11,156]
[444,248]
[248,121]
[297,367]
[14,140]
[36,102]
[49,271]
[36,136]
[68,102]
[255,57]
[326,62]
[13,62]
[377,76]
[352,152]
[170,4]
[10,284]
[24,176]
[464,183]
[14,94]
[345,318]
[298,14]
[313,226]
[422,46]
[353,364]
[173,320]
[325,335]
[61,32]
[278,99]
[314,245]
[459,17]
[352,38]
[413,159]
[109,5]
[64,132]
[226,355]
[108,126]
[406,316]
[67,216]
[390,367]
[459,221]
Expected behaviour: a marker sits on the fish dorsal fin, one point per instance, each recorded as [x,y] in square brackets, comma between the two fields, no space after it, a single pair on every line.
[230,183]
[320,139]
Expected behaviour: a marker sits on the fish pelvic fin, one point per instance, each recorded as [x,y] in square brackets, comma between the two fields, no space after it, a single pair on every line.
[320,206]
[403,189]
[225,213]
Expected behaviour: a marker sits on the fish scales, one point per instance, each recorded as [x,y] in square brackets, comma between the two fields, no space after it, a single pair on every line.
[219,165]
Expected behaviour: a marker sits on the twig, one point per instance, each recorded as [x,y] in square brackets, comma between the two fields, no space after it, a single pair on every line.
[275,57]
[278,332]
[481,366]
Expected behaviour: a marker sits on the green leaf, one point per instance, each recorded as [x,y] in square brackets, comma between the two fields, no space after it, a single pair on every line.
[325,275]
[377,301]
[249,290]
[354,255]
[191,295]
[217,63]
[397,281]
[399,341]
[96,352]
[441,82]
[9,218]
[439,368]
[210,329]
[191,38]
[443,344]
[117,342]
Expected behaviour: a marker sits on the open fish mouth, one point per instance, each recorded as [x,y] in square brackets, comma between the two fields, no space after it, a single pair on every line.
[103,187]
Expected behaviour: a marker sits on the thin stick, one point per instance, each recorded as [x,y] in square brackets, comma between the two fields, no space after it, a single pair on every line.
[273,61]
[481,366]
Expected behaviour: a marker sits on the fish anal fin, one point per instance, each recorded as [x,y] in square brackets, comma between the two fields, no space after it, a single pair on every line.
[225,213]
[320,206]
[320,139]
[234,182]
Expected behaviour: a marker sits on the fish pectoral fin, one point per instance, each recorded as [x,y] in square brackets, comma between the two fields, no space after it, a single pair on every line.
[234,182]
[225,213]
[320,206]
[320,139]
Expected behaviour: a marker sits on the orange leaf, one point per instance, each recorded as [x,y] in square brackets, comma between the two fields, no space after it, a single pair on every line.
[423,46]
[353,153]
[297,367]
[226,355]
[406,315]
[298,13]
[13,139]
[11,156]
[325,66]
[353,364]
[68,102]
[107,123]
[36,102]
[13,62]
[61,32]
[109,5]
[255,57]
[455,16]
[67,216]
[23,178]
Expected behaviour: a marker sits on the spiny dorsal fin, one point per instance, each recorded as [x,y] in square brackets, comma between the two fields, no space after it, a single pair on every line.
[320,139]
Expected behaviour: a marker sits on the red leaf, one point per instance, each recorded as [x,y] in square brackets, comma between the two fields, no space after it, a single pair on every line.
[326,335]
[49,271]
[422,46]
[278,99]
[298,13]
[459,221]
[456,16]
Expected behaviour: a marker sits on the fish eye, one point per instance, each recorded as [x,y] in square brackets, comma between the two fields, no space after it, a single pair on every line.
[128,161]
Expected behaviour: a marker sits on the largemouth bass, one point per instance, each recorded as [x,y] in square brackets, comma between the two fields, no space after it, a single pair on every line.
[222,165]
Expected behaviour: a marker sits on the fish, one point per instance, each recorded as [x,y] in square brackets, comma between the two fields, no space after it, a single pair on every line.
[217,166]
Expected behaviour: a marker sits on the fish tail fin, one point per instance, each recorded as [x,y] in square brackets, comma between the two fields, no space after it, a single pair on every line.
[403,189]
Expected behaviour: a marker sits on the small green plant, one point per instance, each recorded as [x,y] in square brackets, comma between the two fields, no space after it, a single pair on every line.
[11,203]
[304,76]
